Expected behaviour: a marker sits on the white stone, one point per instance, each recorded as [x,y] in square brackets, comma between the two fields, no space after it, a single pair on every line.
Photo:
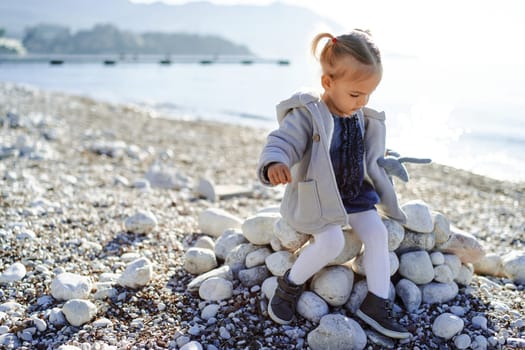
[447,325]
[223,272]
[337,332]
[199,260]
[269,286]
[129,257]
[15,272]
[79,312]
[228,240]
[141,222]
[396,233]
[205,242]
[137,274]
[258,229]
[107,293]
[289,238]
[192,345]
[311,306]
[357,296]
[56,317]
[215,289]
[102,323]
[109,277]
[410,294]
[237,257]
[257,257]
[480,343]
[437,258]
[26,235]
[514,266]
[68,286]
[253,276]
[419,218]
[68,347]
[9,341]
[441,228]
[491,264]
[443,274]
[333,284]
[210,311]
[462,341]
[464,245]
[454,263]
[433,292]
[465,275]
[11,307]
[215,221]
[351,248]
[359,268]
[276,245]
[39,323]
[425,241]
[164,177]
[279,262]
[417,267]
[479,322]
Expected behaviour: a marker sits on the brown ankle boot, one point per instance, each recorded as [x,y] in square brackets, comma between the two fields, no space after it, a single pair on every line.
[377,313]
[284,301]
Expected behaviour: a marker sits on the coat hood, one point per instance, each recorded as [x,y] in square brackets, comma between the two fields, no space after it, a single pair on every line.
[302,98]
[299,99]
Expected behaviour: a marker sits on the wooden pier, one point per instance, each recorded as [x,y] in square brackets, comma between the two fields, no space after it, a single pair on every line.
[117,59]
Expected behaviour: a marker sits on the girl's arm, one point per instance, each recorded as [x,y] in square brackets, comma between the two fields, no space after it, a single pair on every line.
[285,145]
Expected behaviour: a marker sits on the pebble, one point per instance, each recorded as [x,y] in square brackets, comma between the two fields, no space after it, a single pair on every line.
[138,273]
[68,286]
[462,341]
[15,272]
[78,312]
[216,288]
[447,325]
[141,222]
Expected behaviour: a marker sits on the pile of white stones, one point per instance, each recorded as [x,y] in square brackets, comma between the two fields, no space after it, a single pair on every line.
[428,256]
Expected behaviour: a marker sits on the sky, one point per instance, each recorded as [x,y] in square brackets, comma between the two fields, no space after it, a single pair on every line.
[481,30]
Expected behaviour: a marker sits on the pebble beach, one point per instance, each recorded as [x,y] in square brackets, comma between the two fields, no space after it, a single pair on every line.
[74,170]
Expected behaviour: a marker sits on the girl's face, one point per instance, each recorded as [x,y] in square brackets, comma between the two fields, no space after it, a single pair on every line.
[347,94]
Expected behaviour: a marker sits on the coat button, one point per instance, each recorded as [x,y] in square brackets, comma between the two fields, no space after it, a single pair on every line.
[316,138]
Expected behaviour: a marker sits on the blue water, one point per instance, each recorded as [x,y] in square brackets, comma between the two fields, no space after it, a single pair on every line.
[469,115]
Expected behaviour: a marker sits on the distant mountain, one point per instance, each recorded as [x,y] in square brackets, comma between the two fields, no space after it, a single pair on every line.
[275,30]
[105,38]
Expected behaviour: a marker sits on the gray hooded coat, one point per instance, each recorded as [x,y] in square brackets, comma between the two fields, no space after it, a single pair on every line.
[302,142]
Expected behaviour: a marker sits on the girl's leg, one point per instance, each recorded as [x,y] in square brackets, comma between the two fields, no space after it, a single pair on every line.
[372,232]
[326,247]
[376,309]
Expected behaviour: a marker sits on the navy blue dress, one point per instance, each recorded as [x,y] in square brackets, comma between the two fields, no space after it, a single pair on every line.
[347,154]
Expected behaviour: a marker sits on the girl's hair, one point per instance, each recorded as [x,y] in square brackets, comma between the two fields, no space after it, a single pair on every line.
[357,44]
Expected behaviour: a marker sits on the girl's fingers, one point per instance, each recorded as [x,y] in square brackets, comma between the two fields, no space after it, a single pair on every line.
[282,176]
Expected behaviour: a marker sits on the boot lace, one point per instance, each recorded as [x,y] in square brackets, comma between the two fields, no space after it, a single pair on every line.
[389,309]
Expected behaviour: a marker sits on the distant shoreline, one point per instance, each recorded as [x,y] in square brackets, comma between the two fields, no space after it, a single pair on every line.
[116,58]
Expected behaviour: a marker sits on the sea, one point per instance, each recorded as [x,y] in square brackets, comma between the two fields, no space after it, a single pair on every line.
[467,115]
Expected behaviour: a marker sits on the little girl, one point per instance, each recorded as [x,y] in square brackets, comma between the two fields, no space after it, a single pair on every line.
[326,150]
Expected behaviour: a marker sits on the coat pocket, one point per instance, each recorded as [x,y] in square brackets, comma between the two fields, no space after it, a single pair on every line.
[308,207]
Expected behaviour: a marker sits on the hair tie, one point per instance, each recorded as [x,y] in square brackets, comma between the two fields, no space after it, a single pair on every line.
[334,40]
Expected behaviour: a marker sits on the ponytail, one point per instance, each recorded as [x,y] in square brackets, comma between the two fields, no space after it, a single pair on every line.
[357,44]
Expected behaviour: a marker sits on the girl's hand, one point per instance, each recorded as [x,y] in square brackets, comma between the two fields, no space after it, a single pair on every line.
[279,173]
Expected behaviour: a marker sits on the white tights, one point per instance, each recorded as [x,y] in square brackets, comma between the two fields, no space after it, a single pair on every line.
[328,245]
